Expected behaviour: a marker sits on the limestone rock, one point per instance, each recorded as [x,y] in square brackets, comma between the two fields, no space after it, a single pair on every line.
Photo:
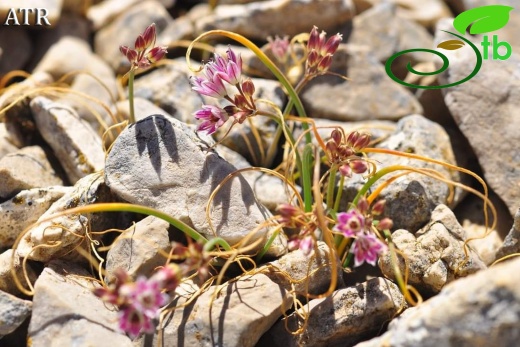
[359,98]
[237,317]
[137,249]
[480,310]
[435,254]
[7,263]
[74,142]
[25,169]
[13,312]
[348,316]
[485,109]
[260,19]
[25,208]
[6,145]
[161,163]
[66,312]
[67,232]
[511,242]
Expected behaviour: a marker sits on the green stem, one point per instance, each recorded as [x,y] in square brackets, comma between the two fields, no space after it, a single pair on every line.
[216,241]
[330,185]
[131,76]
[340,192]
[267,245]
[306,177]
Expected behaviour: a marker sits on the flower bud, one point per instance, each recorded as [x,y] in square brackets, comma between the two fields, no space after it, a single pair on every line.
[336,136]
[332,45]
[352,138]
[240,101]
[358,166]
[345,171]
[156,54]
[149,35]
[379,207]
[248,87]
[313,42]
[140,44]
[385,224]
[362,205]
[361,142]
[325,63]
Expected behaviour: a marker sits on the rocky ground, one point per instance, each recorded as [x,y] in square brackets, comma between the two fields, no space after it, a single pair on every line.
[53,158]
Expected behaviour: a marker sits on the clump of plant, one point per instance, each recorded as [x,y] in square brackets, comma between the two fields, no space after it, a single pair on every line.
[321,166]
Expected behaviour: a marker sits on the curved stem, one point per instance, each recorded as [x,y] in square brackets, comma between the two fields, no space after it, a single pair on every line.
[330,186]
[131,76]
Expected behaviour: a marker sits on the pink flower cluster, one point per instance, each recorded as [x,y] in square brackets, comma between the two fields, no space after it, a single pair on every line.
[357,224]
[140,301]
[218,73]
[320,51]
[145,52]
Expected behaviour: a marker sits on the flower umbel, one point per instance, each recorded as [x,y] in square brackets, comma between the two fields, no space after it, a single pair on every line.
[222,69]
[367,247]
[145,52]
[320,51]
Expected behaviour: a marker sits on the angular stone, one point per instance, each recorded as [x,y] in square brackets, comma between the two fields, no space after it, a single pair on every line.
[348,316]
[435,254]
[161,163]
[168,87]
[67,313]
[511,243]
[485,109]
[309,274]
[8,263]
[6,145]
[26,168]
[67,232]
[410,199]
[260,19]
[380,29]
[108,39]
[13,312]
[74,142]
[361,97]
[480,310]
[66,55]
[238,316]
[137,249]
[25,208]
[104,12]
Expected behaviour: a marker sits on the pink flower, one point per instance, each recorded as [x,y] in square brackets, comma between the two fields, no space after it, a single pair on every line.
[279,47]
[305,244]
[133,322]
[213,87]
[350,223]
[213,118]
[367,247]
[320,51]
[146,297]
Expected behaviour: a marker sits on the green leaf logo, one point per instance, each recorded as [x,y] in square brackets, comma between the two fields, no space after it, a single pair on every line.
[485,19]
[451,45]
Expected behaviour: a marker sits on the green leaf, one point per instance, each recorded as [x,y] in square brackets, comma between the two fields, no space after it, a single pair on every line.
[451,45]
[485,19]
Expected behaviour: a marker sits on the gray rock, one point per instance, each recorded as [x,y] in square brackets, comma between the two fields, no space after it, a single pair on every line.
[74,142]
[17,46]
[161,163]
[10,264]
[13,312]
[480,310]
[485,109]
[66,55]
[168,87]
[66,312]
[380,29]
[180,29]
[104,12]
[348,316]
[435,254]
[359,98]
[257,20]
[411,198]
[242,311]
[26,168]
[6,144]
[309,274]
[16,112]
[118,32]
[67,232]
[511,244]
[99,82]
[137,249]
[270,191]
[25,208]
[142,109]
